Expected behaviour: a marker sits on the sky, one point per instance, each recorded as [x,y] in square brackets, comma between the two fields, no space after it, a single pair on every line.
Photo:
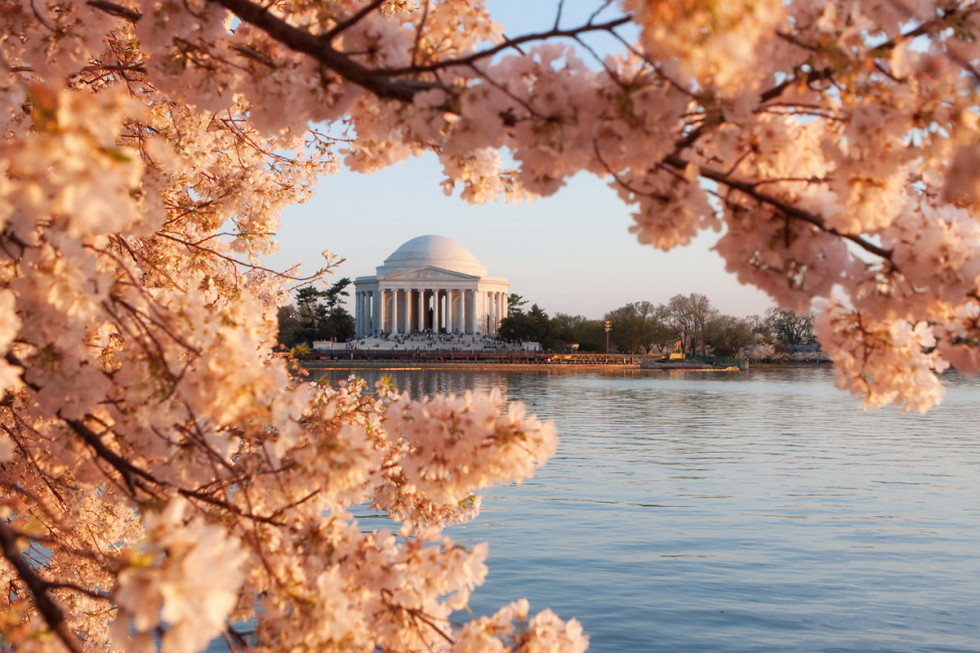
[569,253]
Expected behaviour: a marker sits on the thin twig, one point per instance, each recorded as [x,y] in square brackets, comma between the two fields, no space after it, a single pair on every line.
[353,20]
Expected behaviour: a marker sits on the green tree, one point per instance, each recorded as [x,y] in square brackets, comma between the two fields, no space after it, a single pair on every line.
[289,326]
[591,336]
[317,315]
[637,326]
[310,313]
[333,296]
[539,323]
[514,327]
[563,331]
[339,326]
[514,304]
[525,327]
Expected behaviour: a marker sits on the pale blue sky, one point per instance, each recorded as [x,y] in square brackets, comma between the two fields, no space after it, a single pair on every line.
[570,253]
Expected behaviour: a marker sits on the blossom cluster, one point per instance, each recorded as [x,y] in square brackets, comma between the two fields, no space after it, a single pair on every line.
[455,445]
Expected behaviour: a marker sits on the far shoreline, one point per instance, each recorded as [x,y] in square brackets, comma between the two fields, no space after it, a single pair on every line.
[355,366]
[402,365]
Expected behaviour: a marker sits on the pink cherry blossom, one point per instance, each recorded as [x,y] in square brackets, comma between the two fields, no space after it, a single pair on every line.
[187,477]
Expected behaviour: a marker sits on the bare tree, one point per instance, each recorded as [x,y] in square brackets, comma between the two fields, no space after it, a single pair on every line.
[727,334]
[789,328]
[689,315]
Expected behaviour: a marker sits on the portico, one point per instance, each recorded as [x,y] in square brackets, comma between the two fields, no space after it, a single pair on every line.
[430,283]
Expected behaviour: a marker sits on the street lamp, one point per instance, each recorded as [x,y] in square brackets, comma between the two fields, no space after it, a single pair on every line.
[608,329]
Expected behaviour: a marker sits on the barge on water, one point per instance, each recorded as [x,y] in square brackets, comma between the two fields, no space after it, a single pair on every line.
[693,366]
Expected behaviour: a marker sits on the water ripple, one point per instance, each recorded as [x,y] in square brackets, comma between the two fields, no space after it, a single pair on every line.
[738,512]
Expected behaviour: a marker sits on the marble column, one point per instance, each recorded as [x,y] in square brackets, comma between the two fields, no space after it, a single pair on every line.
[368,303]
[368,312]
[451,310]
[440,312]
[365,312]
[359,313]
[492,313]
[496,312]
[359,310]
[474,325]
[395,313]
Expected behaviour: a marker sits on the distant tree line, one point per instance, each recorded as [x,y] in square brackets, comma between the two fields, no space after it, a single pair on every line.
[643,327]
[636,328]
[316,315]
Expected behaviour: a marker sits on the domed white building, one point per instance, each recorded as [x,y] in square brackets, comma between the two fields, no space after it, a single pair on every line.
[430,283]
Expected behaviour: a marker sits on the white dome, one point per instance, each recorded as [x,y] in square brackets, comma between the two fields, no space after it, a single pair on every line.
[433,251]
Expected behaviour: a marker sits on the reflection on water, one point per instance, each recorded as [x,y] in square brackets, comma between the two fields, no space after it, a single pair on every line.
[754,511]
[424,383]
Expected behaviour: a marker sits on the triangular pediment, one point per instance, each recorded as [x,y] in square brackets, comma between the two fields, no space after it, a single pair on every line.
[429,273]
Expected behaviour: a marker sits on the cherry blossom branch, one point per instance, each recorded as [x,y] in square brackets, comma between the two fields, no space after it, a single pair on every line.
[251,266]
[122,464]
[128,470]
[508,44]
[320,49]
[425,619]
[800,109]
[416,615]
[636,52]
[78,589]
[30,457]
[50,611]
[751,189]
[141,318]
[115,9]
[358,16]
[946,15]
[51,542]
[234,640]
[224,505]
[418,34]
[131,473]
[810,77]
[382,82]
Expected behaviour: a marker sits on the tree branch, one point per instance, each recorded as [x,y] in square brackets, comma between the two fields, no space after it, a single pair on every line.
[115,9]
[384,82]
[574,32]
[320,49]
[126,469]
[353,20]
[751,189]
[50,611]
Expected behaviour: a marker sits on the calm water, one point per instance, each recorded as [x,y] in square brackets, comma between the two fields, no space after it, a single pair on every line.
[737,512]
